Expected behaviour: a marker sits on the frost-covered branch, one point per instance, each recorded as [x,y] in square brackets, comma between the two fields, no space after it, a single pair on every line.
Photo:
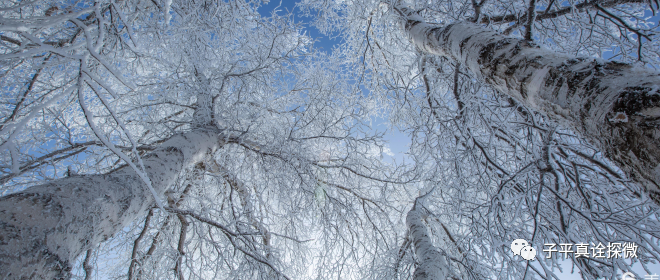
[618,105]
[550,14]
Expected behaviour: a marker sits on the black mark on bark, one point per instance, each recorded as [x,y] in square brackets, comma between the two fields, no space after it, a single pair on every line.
[635,99]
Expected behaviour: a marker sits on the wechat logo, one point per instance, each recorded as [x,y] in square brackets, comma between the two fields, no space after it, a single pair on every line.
[521,247]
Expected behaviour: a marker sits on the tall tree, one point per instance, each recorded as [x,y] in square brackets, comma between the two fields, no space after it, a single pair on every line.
[520,130]
[212,141]
[614,104]
[200,140]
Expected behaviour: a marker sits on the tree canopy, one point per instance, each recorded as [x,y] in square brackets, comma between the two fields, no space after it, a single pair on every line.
[212,140]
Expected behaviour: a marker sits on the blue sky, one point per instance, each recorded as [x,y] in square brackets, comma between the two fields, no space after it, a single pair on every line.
[323,42]
[398,141]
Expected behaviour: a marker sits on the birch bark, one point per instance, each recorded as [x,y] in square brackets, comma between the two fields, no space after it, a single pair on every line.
[431,263]
[615,106]
[44,228]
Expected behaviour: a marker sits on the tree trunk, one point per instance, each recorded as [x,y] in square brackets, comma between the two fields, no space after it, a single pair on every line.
[44,228]
[431,263]
[616,106]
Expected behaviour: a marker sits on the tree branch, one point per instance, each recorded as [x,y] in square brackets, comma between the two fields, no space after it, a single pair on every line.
[557,13]
[136,244]
[180,247]
[531,17]
[87,267]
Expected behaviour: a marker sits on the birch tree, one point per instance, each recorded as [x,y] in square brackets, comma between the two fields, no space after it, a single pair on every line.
[209,141]
[503,172]
[611,103]
[493,109]
[200,140]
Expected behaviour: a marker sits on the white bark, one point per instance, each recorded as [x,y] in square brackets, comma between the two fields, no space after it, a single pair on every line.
[44,228]
[431,263]
[612,104]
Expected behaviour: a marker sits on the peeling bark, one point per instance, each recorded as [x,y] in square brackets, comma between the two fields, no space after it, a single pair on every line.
[44,228]
[616,106]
